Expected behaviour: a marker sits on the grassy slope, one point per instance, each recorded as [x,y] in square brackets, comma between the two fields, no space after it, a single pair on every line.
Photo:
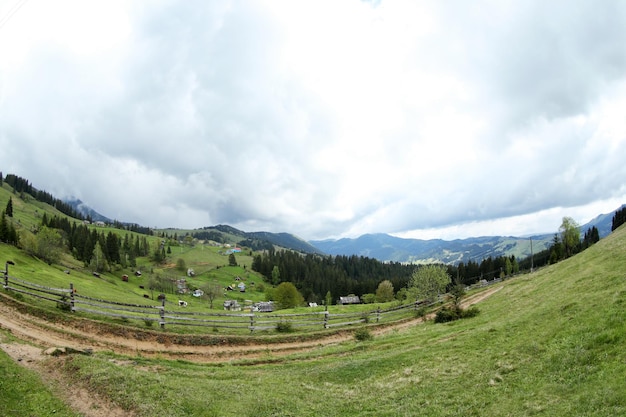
[206,261]
[24,394]
[550,343]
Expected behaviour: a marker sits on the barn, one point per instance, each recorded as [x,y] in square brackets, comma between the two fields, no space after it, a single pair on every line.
[350,299]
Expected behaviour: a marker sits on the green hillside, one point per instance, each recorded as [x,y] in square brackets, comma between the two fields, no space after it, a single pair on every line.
[209,263]
[549,343]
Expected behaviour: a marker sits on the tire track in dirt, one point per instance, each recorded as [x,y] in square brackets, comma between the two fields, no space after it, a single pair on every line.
[46,334]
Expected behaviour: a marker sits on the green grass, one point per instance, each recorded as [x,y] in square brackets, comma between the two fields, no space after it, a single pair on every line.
[22,392]
[547,344]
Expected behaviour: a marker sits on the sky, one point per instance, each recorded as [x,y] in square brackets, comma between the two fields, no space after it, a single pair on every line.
[324,119]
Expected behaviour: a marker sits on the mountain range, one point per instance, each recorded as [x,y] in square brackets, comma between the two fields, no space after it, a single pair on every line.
[387,248]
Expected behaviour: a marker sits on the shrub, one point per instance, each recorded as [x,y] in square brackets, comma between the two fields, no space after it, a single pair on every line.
[365,317]
[283,327]
[63,304]
[17,295]
[362,335]
[470,312]
[421,312]
[447,314]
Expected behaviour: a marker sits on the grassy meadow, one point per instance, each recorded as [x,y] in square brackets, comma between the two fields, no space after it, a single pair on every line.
[23,393]
[549,343]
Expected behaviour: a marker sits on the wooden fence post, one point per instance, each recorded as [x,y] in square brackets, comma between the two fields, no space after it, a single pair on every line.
[378,314]
[71,297]
[326,318]
[162,313]
[6,273]
[251,322]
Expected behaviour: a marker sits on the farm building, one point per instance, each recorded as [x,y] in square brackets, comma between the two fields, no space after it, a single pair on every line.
[181,286]
[232,305]
[350,299]
[264,307]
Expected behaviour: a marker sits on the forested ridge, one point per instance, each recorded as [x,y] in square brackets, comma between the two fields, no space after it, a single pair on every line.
[317,275]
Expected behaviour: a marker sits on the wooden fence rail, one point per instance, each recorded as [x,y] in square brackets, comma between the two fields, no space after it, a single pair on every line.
[253,321]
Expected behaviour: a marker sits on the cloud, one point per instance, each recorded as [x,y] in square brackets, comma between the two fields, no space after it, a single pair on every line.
[318,118]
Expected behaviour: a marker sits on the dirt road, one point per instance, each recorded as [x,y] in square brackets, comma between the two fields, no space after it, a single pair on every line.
[42,334]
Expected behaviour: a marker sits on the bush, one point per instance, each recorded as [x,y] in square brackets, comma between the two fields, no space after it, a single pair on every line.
[421,312]
[64,304]
[365,317]
[470,312]
[447,314]
[362,335]
[283,327]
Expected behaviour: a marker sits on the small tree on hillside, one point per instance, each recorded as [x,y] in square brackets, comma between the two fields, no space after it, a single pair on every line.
[232,261]
[384,292]
[98,260]
[570,236]
[9,209]
[328,299]
[286,295]
[457,292]
[275,275]
[211,290]
[428,281]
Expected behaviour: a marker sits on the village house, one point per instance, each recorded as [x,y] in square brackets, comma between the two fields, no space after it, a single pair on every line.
[263,307]
[350,299]
[232,305]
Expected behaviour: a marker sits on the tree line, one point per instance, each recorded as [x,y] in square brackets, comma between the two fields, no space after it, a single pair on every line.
[87,244]
[23,186]
[316,275]
[619,218]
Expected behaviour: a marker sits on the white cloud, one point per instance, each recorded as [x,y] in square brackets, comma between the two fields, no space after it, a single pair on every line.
[320,118]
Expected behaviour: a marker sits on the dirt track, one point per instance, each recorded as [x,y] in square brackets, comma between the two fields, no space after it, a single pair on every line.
[46,334]
[42,334]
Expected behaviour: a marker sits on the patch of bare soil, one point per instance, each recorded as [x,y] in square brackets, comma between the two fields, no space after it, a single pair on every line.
[77,397]
[41,334]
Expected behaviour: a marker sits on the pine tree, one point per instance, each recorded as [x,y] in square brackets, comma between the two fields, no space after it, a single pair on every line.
[9,209]
[4,228]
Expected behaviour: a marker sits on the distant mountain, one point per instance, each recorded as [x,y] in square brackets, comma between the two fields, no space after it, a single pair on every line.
[87,211]
[285,240]
[385,247]
[602,222]
[259,239]
[389,248]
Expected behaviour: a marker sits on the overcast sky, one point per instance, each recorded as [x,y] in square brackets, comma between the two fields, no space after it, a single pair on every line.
[325,119]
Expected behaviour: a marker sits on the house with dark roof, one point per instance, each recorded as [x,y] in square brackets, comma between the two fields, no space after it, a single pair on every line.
[349,299]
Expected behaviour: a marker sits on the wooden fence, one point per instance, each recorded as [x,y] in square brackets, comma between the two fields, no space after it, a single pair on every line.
[70,299]
[163,314]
